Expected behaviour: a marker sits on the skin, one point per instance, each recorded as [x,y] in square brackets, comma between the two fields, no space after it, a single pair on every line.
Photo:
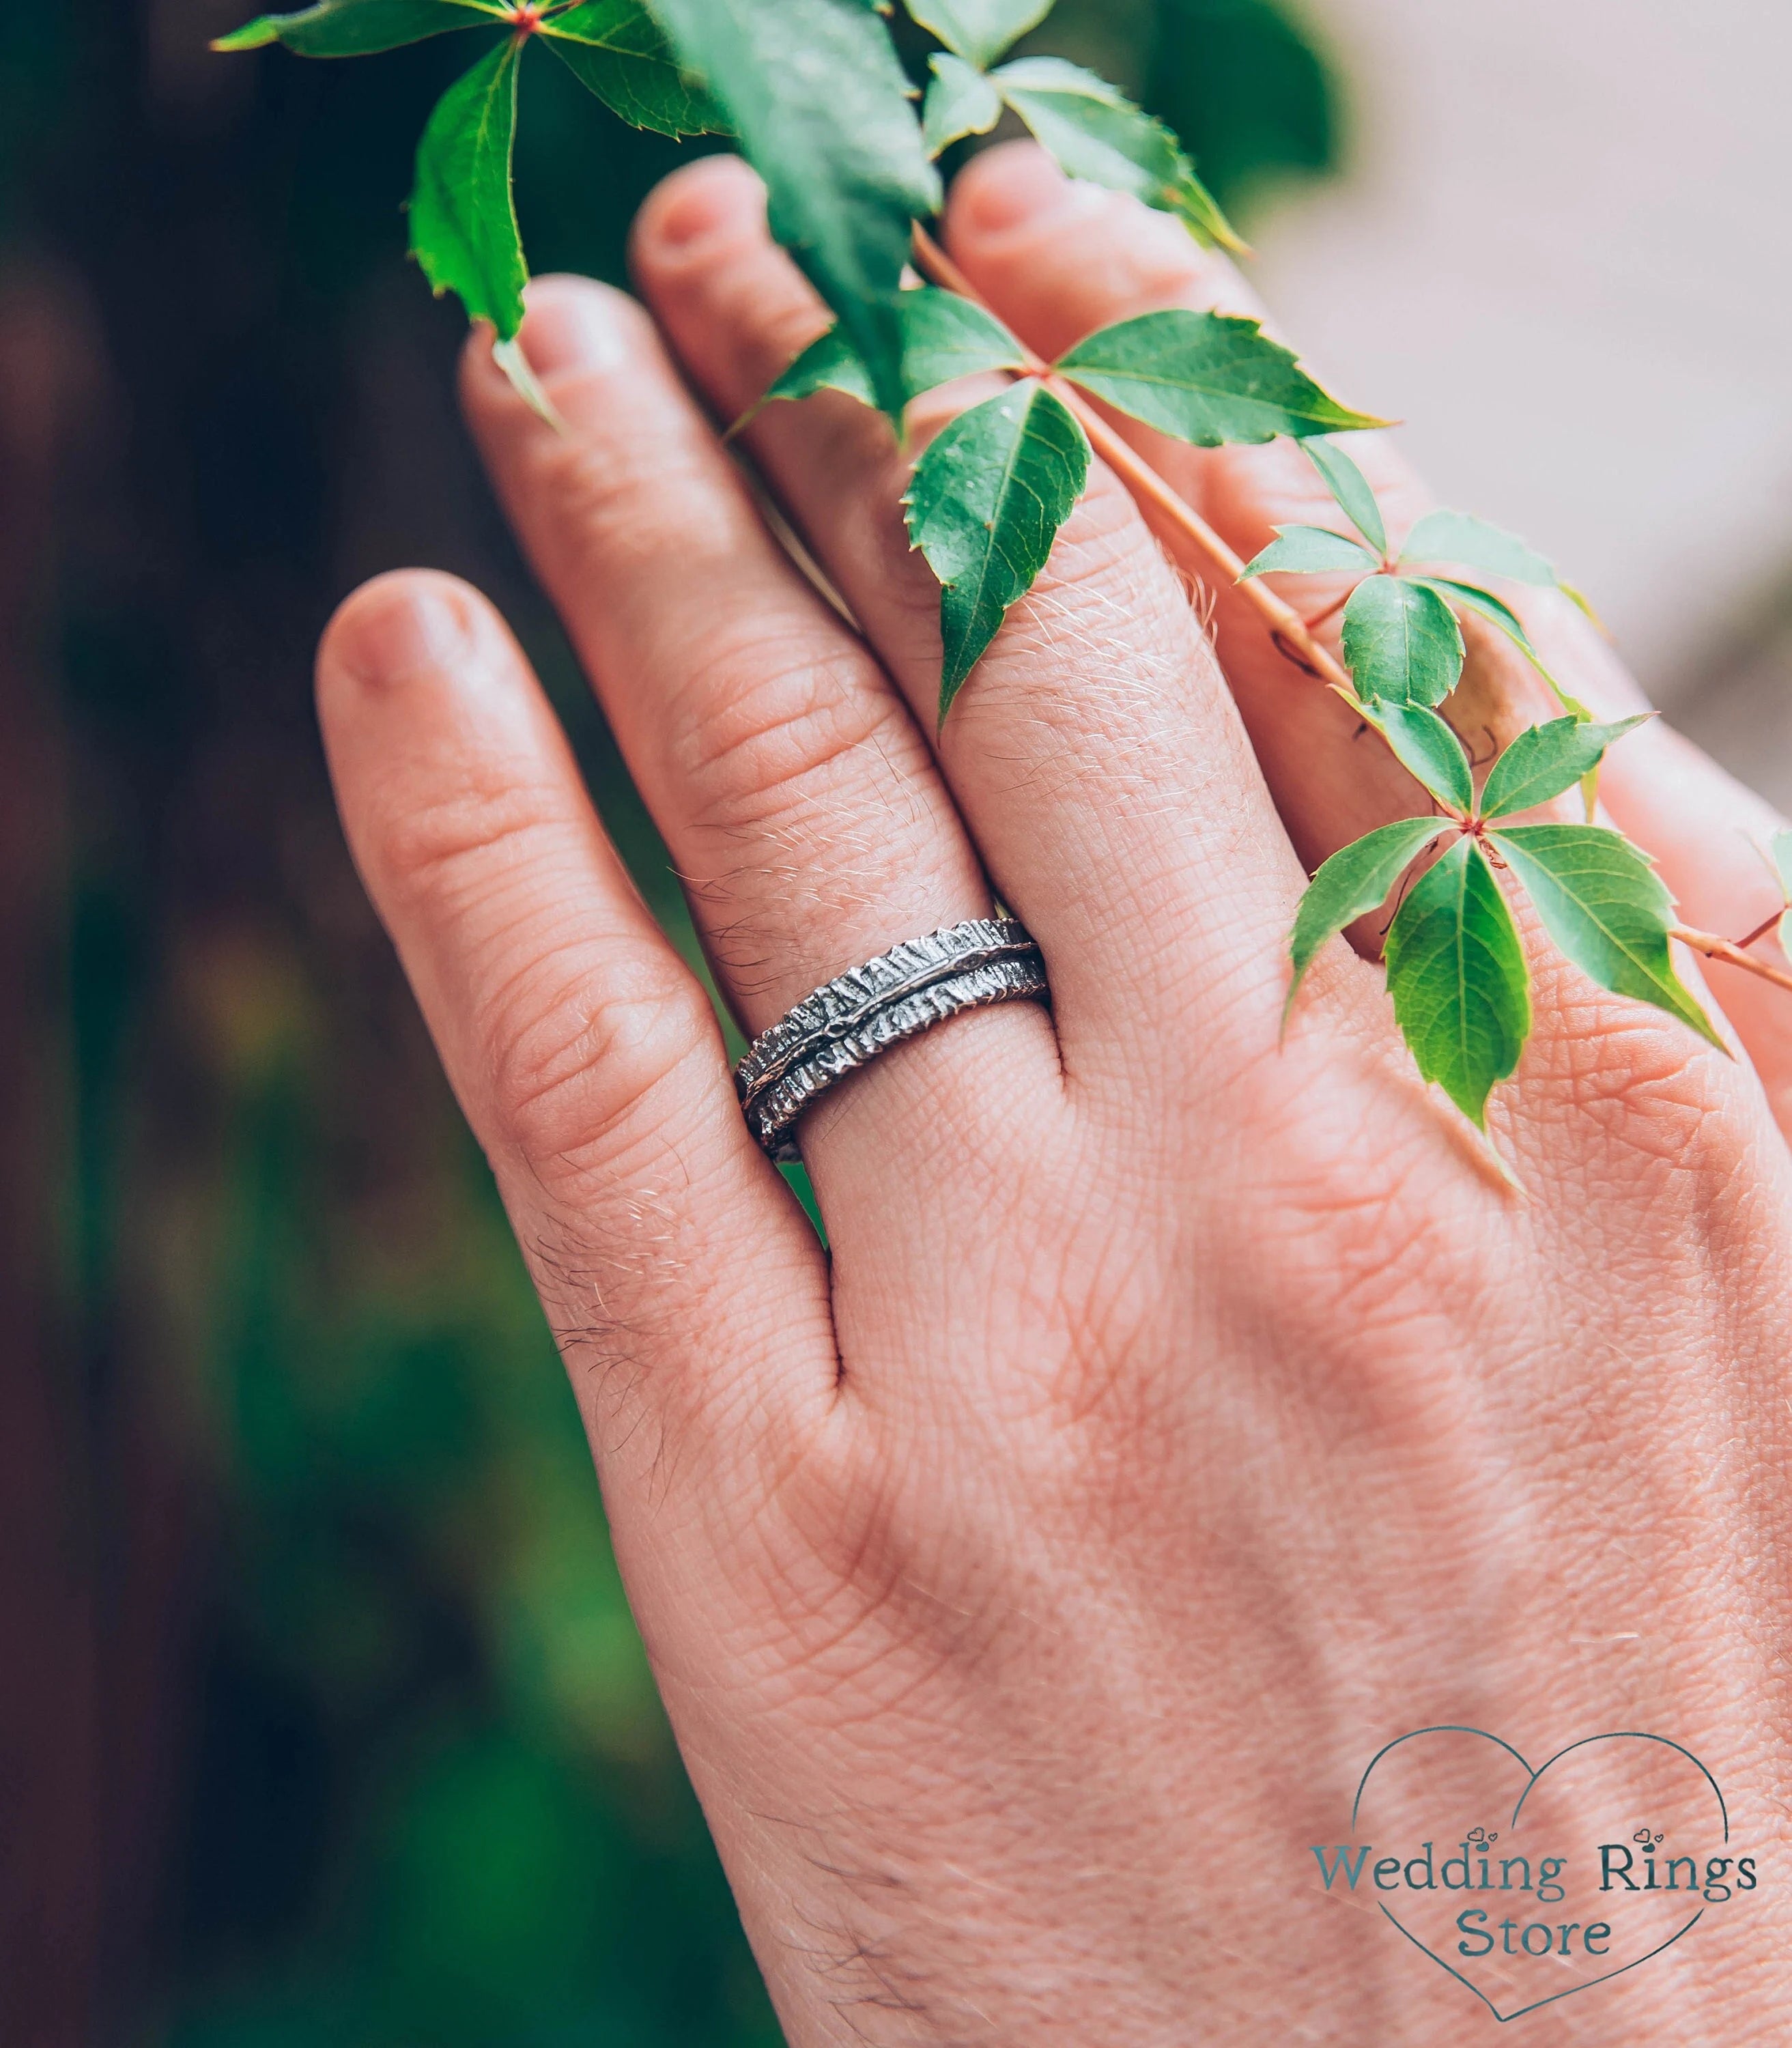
[1174,1419]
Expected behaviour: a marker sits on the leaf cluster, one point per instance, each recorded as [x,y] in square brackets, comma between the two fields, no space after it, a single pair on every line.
[815,97]
[1203,378]
[1456,968]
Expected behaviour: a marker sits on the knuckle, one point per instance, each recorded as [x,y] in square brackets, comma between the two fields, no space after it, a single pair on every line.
[584,1055]
[634,493]
[445,851]
[767,724]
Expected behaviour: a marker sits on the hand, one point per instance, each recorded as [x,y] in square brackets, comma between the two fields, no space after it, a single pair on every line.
[1173,1419]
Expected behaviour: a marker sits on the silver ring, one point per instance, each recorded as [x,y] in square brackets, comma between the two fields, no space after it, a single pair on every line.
[844,1025]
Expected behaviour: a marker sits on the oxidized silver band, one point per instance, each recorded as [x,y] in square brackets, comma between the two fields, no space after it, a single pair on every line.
[846,1024]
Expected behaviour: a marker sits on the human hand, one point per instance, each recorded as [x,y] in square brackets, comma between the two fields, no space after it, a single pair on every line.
[1173,1418]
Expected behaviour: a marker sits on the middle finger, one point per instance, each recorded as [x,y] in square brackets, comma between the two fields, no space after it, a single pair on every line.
[1095,753]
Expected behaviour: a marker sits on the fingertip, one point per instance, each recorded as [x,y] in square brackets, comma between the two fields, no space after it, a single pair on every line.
[572,327]
[1013,185]
[405,623]
[1058,256]
[698,210]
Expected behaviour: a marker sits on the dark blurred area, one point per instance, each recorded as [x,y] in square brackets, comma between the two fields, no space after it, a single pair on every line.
[322,1718]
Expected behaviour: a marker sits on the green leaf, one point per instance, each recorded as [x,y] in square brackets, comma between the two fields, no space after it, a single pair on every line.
[1351,884]
[1606,909]
[980,30]
[359,28]
[1428,749]
[1094,132]
[1456,537]
[814,91]
[1311,551]
[1545,760]
[1472,598]
[960,102]
[943,337]
[1456,970]
[617,49]
[1495,609]
[1349,487]
[463,222]
[1402,644]
[984,506]
[1205,377]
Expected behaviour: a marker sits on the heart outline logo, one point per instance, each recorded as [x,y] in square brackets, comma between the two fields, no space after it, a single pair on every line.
[1531,1779]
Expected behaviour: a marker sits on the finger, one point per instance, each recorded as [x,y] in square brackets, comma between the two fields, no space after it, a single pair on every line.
[800,801]
[1058,259]
[680,1277]
[1094,753]
[1709,833]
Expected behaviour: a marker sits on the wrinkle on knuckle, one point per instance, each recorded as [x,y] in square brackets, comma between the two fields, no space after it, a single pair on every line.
[468,836]
[635,494]
[579,1048]
[768,722]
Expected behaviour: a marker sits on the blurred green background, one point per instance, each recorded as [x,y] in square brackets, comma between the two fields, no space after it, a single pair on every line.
[324,1718]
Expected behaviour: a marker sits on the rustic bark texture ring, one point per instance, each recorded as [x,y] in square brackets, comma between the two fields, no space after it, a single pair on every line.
[844,1025]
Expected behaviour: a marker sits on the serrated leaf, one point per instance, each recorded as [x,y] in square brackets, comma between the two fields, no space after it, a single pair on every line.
[814,92]
[463,221]
[1349,487]
[1472,598]
[984,506]
[1351,884]
[1455,971]
[943,337]
[1606,908]
[1402,644]
[1094,133]
[1205,377]
[1426,746]
[1471,543]
[960,102]
[359,27]
[617,50]
[1495,609]
[1311,551]
[980,30]
[1546,760]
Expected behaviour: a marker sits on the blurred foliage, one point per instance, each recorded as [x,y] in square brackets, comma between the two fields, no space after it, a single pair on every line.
[425,1795]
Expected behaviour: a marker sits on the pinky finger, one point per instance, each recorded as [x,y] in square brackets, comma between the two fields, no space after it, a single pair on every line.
[681,1277]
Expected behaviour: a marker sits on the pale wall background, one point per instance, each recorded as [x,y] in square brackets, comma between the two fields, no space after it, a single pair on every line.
[1561,251]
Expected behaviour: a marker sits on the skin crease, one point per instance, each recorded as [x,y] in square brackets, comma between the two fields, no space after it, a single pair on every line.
[1175,1419]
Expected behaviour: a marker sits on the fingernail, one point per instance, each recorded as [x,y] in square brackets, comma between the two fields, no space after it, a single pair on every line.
[1007,186]
[703,201]
[399,627]
[692,214]
[573,329]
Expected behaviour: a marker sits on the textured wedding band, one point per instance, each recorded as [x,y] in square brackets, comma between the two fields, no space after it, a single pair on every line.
[845,1024]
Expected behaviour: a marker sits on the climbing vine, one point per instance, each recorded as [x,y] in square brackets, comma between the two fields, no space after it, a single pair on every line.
[813,94]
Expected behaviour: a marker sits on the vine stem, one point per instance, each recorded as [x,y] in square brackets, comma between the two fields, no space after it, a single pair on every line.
[1717,948]
[1194,537]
